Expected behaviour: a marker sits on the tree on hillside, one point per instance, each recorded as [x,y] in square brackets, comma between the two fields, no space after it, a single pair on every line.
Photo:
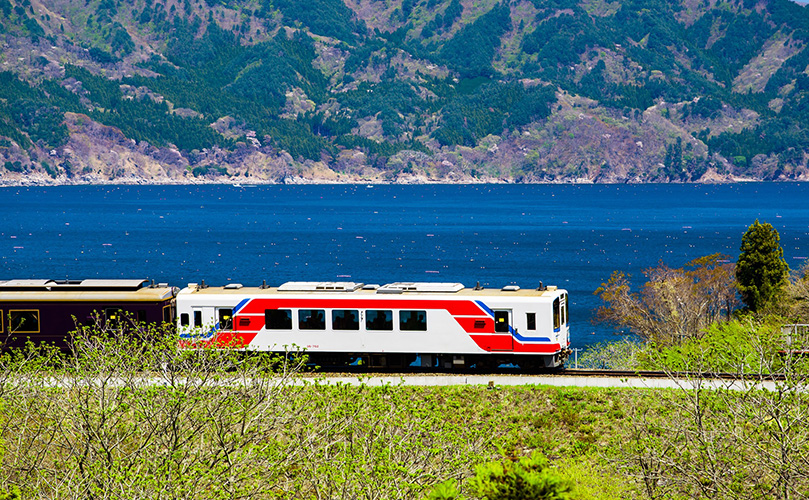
[674,304]
[761,271]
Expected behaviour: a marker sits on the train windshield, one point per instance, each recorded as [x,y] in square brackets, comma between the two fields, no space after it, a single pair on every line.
[567,310]
[557,323]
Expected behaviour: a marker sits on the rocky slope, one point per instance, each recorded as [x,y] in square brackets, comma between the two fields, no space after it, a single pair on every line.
[405,91]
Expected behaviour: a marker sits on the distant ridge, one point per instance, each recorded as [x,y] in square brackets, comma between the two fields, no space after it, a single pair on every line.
[406,91]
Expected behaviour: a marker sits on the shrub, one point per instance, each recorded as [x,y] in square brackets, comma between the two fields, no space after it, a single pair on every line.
[622,354]
[510,479]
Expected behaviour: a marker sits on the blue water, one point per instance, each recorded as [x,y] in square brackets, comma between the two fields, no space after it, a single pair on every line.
[565,235]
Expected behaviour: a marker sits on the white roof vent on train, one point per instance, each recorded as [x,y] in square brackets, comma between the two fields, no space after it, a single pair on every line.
[319,286]
[110,284]
[401,287]
[26,284]
[75,285]
[511,288]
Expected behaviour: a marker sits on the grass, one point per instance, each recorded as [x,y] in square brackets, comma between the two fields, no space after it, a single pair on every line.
[316,441]
[125,418]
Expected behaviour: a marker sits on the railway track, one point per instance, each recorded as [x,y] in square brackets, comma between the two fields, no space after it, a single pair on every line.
[642,374]
[561,378]
[570,377]
[677,375]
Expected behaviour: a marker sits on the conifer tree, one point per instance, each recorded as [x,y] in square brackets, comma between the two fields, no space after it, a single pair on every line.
[761,271]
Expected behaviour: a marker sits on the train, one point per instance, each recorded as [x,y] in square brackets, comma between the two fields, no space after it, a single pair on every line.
[48,310]
[394,325]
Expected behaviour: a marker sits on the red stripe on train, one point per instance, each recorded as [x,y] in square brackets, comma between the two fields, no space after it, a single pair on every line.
[505,343]
[454,307]
[477,325]
[494,342]
[469,325]
[222,339]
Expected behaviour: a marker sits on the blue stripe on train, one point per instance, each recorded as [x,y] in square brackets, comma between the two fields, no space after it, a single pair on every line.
[240,305]
[511,329]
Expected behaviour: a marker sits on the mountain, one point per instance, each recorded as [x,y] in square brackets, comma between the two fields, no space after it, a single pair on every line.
[182,91]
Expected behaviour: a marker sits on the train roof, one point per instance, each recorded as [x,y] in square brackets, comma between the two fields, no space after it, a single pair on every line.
[350,288]
[87,289]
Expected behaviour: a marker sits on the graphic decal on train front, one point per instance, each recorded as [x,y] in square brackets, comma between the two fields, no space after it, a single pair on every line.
[474,317]
[514,333]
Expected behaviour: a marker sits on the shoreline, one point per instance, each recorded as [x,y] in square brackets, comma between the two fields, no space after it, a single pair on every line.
[248,183]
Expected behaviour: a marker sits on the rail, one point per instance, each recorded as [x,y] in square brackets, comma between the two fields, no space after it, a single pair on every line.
[677,375]
[565,372]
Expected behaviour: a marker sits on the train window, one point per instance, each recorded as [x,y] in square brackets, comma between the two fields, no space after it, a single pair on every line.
[312,319]
[197,319]
[2,320]
[278,319]
[501,321]
[556,312]
[23,321]
[413,321]
[168,314]
[141,315]
[531,319]
[225,319]
[185,320]
[113,316]
[378,320]
[345,319]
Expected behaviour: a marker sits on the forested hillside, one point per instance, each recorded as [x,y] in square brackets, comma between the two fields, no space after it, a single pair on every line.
[403,91]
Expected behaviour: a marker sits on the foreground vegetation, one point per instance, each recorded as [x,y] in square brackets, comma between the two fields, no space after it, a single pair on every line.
[738,441]
[136,418]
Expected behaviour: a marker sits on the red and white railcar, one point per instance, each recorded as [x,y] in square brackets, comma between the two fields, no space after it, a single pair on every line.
[398,324]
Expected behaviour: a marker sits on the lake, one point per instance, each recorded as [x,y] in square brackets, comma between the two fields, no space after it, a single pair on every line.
[572,236]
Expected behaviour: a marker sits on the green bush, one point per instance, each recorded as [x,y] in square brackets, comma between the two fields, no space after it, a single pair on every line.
[623,354]
[512,478]
[742,346]
[523,478]
[10,494]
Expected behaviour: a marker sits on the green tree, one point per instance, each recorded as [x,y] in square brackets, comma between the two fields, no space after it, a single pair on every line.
[761,271]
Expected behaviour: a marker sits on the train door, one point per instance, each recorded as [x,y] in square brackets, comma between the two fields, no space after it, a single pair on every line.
[224,318]
[502,329]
